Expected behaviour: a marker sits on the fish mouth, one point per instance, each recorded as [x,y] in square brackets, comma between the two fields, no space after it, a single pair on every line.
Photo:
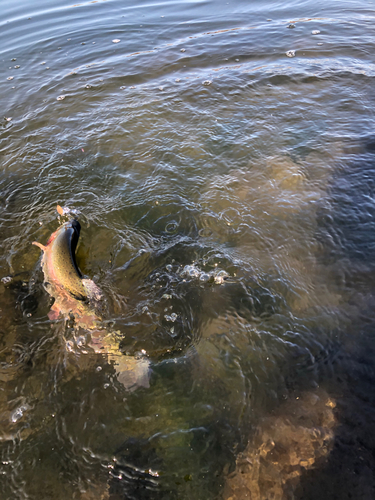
[74,224]
[75,228]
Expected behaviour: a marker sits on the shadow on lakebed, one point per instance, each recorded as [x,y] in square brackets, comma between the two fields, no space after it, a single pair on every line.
[347,228]
[319,444]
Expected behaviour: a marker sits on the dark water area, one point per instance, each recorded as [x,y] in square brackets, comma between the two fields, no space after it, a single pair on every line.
[220,158]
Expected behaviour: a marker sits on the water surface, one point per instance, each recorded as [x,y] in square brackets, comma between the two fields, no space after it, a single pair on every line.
[220,159]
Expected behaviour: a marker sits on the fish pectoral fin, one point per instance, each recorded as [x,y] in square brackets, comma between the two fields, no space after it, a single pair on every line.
[54,312]
[42,247]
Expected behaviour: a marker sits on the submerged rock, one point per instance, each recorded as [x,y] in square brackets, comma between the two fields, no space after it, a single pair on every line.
[288,443]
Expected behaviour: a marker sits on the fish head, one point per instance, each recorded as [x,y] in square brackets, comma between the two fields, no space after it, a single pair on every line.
[73,227]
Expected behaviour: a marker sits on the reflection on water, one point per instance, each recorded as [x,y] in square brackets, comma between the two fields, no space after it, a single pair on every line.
[225,194]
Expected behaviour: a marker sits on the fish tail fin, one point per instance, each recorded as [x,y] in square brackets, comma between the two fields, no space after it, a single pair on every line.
[131,372]
[60,210]
[42,247]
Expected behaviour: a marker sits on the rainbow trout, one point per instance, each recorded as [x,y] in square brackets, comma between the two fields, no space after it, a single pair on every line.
[82,298]
[63,280]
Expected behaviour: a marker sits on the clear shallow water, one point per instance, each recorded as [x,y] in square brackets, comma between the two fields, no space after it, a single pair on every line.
[192,150]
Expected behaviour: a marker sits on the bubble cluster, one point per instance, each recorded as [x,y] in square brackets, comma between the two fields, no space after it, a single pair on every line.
[171,317]
[216,276]
[18,413]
